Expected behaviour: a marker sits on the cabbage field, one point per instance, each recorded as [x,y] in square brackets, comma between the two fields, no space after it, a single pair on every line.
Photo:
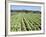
[25,21]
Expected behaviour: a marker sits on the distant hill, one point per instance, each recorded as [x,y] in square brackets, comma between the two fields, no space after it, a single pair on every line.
[26,11]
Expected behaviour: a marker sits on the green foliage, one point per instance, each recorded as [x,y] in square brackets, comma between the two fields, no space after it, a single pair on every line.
[25,22]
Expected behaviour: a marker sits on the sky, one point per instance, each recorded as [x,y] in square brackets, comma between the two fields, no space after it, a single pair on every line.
[22,7]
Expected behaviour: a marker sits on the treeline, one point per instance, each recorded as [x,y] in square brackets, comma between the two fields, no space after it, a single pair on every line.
[20,10]
[26,11]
